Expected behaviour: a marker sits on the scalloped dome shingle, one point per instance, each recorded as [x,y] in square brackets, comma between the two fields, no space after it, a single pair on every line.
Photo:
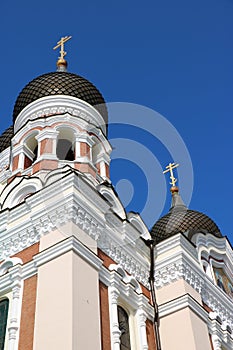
[60,83]
[181,221]
[5,138]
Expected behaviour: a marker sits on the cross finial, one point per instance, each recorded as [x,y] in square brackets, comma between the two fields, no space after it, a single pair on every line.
[170,168]
[61,43]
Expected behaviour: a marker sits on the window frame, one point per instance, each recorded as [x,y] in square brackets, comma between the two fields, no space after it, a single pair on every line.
[6,321]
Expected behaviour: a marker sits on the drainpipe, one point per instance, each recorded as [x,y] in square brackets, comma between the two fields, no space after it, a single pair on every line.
[151,245]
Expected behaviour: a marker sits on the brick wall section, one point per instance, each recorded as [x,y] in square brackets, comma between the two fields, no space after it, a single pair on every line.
[45,165]
[46,146]
[211,343]
[85,168]
[27,162]
[107,171]
[150,335]
[84,149]
[146,292]
[104,318]
[108,261]
[207,308]
[27,254]
[98,167]
[28,314]
[15,162]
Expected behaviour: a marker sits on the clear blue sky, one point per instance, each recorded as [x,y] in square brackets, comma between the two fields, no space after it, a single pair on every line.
[173,57]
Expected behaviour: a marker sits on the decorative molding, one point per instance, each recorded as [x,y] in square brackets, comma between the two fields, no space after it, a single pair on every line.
[126,278]
[108,193]
[217,252]
[135,266]
[183,264]
[141,317]
[18,189]
[63,247]
[8,263]
[11,283]
[59,104]
[221,333]
[80,203]
[181,303]
[216,341]
[125,290]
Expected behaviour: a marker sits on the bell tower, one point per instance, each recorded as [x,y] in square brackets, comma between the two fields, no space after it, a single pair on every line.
[67,245]
[60,119]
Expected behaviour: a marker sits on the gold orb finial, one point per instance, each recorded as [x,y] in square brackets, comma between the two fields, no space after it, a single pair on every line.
[61,62]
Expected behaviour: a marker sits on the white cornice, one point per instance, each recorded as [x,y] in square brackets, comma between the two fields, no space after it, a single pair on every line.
[176,241]
[181,303]
[47,133]
[182,264]
[217,249]
[59,104]
[215,327]
[69,198]
[63,247]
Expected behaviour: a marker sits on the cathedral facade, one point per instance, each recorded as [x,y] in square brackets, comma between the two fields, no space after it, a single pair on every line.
[75,268]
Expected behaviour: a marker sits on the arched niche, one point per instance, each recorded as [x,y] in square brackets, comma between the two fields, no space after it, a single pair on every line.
[65,149]
[30,149]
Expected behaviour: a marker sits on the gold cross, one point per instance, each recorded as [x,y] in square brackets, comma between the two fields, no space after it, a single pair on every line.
[170,168]
[61,43]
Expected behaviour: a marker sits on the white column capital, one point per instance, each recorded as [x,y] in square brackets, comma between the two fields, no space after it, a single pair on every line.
[217,343]
[85,137]
[47,133]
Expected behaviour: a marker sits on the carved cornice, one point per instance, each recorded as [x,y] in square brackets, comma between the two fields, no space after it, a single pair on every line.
[59,104]
[80,203]
[182,265]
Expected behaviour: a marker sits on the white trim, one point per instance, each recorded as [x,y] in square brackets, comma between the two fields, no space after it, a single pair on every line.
[12,282]
[219,333]
[80,202]
[63,247]
[122,290]
[182,263]
[180,303]
[59,104]
[48,133]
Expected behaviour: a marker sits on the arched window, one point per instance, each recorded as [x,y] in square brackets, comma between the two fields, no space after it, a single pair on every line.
[31,155]
[65,145]
[65,150]
[4,304]
[123,320]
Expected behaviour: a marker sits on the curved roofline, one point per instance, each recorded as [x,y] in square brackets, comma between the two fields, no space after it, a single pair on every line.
[60,83]
[183,221]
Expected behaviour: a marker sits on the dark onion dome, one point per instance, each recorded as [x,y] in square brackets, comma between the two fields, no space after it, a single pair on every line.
[180,219]
[60,83]
[5,138]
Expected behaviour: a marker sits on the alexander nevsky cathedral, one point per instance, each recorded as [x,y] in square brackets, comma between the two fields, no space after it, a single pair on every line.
[77,272]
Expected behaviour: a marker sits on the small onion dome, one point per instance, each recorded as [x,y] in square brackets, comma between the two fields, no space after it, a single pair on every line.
[60,83]
[180,219]
[5,138]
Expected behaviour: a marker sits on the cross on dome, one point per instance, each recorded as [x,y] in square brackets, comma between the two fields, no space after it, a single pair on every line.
[61,62]
[169,168]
